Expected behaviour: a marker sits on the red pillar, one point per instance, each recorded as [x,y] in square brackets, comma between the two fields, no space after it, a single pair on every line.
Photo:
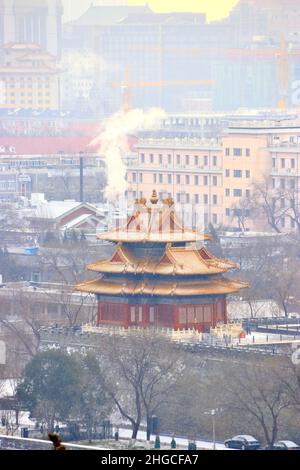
[127,315]
[99,313]
[225,310]
[176,317]
[145,316]
[214,315]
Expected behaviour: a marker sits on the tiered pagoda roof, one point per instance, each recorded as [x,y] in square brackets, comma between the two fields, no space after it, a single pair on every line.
[179,267]
[153,223]
[182,261]
[120,286]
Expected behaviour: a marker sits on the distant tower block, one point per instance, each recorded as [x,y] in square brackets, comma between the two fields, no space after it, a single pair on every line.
[7,22]
[158,275]
[32,21]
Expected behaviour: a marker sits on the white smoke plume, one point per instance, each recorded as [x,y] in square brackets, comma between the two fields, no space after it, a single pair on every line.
[113,144]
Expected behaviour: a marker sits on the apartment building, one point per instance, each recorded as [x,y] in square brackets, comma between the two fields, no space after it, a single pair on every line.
[29,78]
[217,176]
[189,171]
[256,151]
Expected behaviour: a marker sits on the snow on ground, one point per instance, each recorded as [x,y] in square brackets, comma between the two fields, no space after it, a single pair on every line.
[239,310]
[266,338]
[7,387]
[126,433]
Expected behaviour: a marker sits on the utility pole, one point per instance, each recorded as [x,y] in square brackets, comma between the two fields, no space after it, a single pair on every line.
[81,196]
[213,414]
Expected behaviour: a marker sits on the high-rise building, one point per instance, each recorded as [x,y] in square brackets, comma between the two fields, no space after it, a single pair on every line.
[32,21]
[241,56]
[269,18]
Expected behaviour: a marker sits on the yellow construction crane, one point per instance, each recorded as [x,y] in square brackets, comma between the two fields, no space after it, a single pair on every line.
[281,54]
[127,86]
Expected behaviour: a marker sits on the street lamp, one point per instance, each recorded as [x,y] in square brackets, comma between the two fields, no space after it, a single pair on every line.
[213,415]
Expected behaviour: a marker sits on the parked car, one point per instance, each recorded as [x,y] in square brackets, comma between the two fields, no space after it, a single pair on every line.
[242,442]
[284,445]
[294,315]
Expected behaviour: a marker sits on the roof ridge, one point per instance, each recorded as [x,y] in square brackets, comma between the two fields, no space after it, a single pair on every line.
[201,258]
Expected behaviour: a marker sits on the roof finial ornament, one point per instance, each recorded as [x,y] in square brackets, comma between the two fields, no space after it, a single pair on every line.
[169,201]
[154,198]
[142,201]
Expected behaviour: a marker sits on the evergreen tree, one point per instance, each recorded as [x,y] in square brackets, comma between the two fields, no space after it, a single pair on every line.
[157,443]
[50,386]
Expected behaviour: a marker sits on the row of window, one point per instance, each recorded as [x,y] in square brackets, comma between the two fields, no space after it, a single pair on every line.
[237,192]
[237,212]
[182,179]
[28,80]
[237,152]
[8,185]
[30,85]
[237,173]
[187,179]
[40,102]
[196,160]
[29,94]
[283,184]
[185,198]
[283,163]
[202,199]
[160,178]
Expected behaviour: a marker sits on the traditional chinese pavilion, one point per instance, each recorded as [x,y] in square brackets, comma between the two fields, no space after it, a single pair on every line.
[159,275]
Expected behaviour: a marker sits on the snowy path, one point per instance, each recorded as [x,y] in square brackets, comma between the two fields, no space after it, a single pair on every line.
[126,433]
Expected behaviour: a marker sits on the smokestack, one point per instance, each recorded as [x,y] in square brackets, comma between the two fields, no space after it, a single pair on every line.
[81,197]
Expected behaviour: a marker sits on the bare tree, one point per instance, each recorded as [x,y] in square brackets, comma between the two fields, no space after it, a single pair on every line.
[74,306]
[284,282]
[23,324]
[269,202]
[293,213]
[259,392]
[145,369]
[274,204]
[67,266]
[10,218]
[241,213]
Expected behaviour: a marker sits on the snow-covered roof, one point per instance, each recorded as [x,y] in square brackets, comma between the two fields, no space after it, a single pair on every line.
[57,209]
[54,209]
[78,221]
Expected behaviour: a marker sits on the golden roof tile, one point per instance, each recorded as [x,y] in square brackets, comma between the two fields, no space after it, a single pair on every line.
[215,286]
[175,261]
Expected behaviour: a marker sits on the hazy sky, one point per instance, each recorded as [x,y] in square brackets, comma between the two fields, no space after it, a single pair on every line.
[215,9]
